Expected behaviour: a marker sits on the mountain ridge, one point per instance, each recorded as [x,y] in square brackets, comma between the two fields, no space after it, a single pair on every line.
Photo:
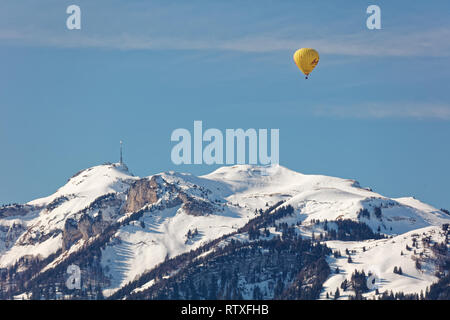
[141,222]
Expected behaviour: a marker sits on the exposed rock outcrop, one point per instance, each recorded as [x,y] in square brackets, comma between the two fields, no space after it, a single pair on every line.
[195,207]
[71,234]
[85,228]
[148,191]
[16,210]
[141,193]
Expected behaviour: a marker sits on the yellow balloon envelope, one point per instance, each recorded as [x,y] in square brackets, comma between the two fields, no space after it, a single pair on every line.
[306,60]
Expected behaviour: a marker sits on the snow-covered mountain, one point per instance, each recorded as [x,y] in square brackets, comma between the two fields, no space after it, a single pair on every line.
[119,227]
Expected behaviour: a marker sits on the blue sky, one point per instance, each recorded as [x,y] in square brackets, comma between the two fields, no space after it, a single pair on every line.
[376,109]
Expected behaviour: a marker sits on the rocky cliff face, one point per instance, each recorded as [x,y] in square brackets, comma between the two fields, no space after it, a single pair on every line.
[196,207]
[148,191]
[85,228]
[141,193]
[16,210]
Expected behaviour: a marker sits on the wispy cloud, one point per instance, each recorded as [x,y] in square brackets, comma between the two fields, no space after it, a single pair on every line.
[378,110]
[374,43]
[210,25]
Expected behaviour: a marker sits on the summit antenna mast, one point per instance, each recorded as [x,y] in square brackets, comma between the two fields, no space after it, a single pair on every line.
[121,159]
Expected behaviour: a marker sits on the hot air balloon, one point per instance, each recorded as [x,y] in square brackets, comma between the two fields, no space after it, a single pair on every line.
[306,60]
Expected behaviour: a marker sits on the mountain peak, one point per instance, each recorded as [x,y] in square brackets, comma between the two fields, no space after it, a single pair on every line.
[93,182]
